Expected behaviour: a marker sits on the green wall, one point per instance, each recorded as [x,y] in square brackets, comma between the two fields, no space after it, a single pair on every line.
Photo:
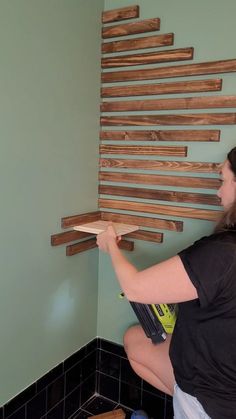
[49,124]
[208,26]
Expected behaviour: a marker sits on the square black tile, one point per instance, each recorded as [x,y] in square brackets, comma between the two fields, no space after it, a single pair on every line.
[153,390]
[19,414]
[153,405]
[88,388]
[108,387]
[72,402]
[88,365]
[55,392]
[130,396]
[37,406]
[57,412]
[109,364]
[81,414]
[114,348]
[1,413]
[169,412]
[73,359]
[128,375]
[49,377]
[73,377]
[19,400]
[91,346]
[99,405]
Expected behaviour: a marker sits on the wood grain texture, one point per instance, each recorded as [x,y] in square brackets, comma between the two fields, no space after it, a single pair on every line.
[146,235]
[162,88]
[180,54]
[176,166]
[143,150]
[68,236]
[165,180]
[167,210]
[133,28]
[212,67]
[138,43]
[160,195]
[80,219]
[122,13]
[151,222]
[161,135]
[204,102]
[178,119]
[73,249]
[126,245]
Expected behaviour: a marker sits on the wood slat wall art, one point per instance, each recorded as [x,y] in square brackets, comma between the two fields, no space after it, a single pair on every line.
[122,13]
[163,88]
[213,67]
[169,210]
[68,236]
[204,102]
[133,28]
[146,235]
[176,166]
[150,222]
[160,195]
[143,150]
[161,135]
[180,54]
[178,119]
[138,43]
[165,180]
[80,219]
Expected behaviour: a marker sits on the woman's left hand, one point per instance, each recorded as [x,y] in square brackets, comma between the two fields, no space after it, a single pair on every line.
[106,237]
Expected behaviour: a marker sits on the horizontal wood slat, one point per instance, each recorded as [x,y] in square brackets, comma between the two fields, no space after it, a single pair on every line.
[158,223]
[160,195]
[178,119]
[180,54]
[133,28]
[213,67]
[169,210]
[161,135]
[68,236]
[204,102]
[122,13]
[80,219]
[143,150]
[138,43]
[177,166]
[73,249]
[146,235]
[126,245]
[148,179]
[163,88]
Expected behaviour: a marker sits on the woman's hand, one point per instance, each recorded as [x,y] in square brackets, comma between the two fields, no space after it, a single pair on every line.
[106,237]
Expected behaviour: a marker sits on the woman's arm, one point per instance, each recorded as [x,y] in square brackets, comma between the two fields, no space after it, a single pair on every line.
[166,282]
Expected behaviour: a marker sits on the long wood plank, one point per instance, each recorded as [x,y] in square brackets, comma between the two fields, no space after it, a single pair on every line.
[143,150]
[138,43]
[80,219]
[151,222]
[199,102]
[180,54]
[68,236]
[178,119]
[73,249]
[169,210]
[161,135]
[212,67]
[164,180]
[163,88]
[133,28]
[122,13]
[176,166]
[146,235]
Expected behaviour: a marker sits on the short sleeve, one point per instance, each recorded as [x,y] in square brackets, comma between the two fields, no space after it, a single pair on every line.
[208,264]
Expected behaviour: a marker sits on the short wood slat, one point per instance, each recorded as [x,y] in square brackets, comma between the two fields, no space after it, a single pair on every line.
[146,235]
[165,180]
[161,135]
[68,236]
[133,28]
[180,54]
[138,43]
[213,67]
[73,249]
[122,13]
[126,245]
[205,102]
[80,219]
[143,150]
[158,223]
[163,88]
[160,195]
[179,119]
[169,210]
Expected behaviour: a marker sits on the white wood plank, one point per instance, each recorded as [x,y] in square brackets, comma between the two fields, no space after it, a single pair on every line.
[99,226]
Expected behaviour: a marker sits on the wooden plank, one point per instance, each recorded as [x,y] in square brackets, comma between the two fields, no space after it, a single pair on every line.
[204,102]
[74,220]
[212,67]
[163,88]
[138,43]
[147,236]
[122,13]
[176,166]
[148,179]
[143,150]
[73,249]
[113,414]
[68,236]
[132,28]
[151,222]
[160,195]
[99,226]
[169,210]
[180,54]
[161,135]
[178,119]
[126,245]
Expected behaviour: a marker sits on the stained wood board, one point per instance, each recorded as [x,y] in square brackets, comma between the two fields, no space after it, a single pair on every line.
[97,227]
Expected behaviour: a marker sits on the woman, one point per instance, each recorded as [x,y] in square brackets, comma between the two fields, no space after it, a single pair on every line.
[198,364]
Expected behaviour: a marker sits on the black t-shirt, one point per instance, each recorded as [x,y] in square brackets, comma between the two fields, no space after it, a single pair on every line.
[203,347]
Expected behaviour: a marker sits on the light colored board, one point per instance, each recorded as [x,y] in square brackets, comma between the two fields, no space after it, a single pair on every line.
[97,227]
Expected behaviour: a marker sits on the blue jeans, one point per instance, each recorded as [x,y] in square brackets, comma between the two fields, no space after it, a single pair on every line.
[186,406]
